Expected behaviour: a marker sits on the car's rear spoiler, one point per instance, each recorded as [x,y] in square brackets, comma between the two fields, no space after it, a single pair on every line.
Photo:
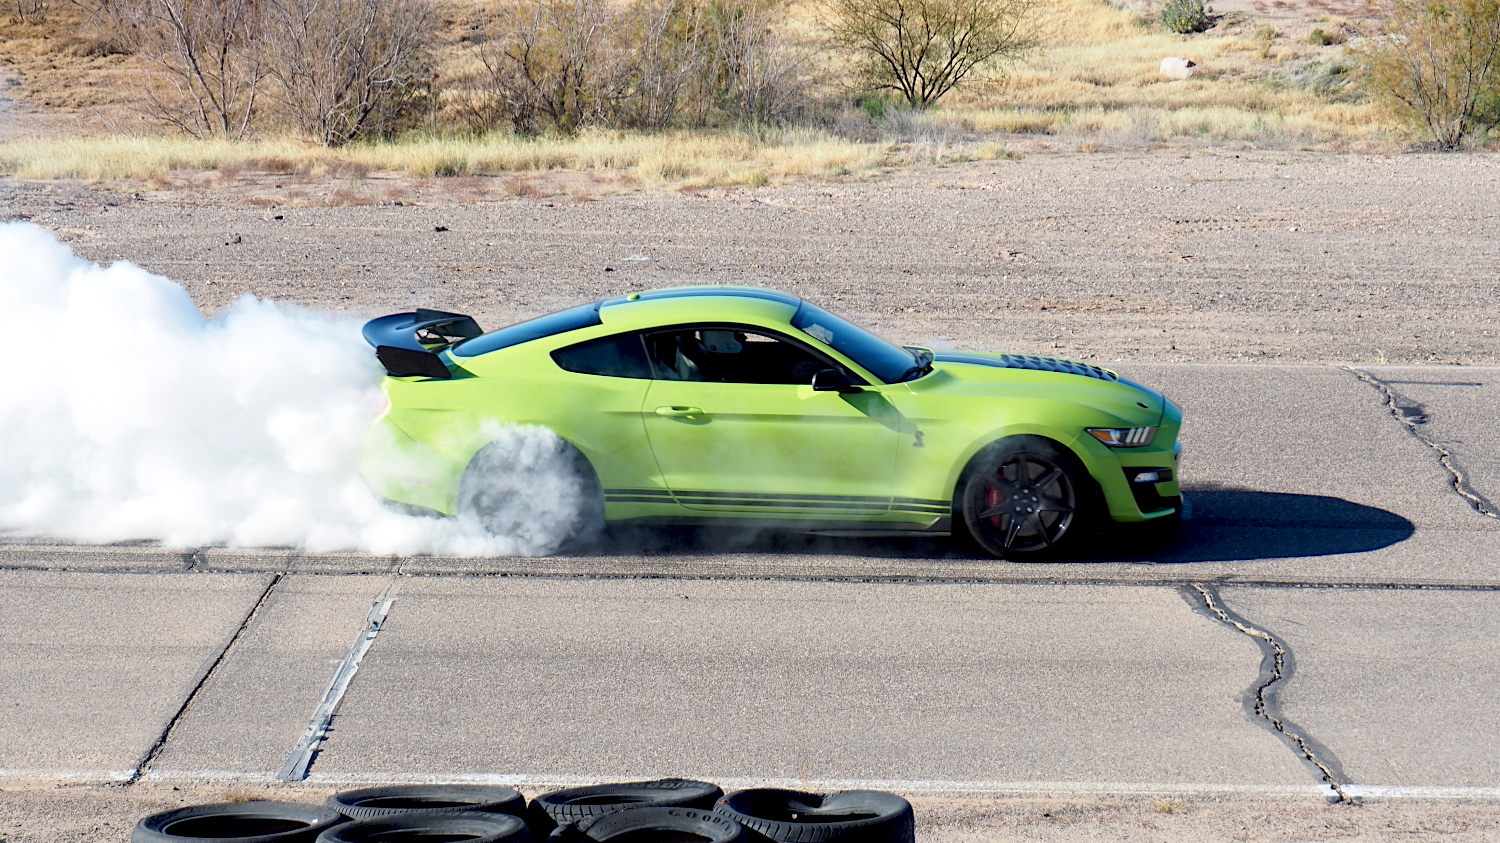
[408,343]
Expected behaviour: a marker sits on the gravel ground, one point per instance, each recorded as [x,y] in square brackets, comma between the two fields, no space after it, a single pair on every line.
[1169,255]
[1209,256]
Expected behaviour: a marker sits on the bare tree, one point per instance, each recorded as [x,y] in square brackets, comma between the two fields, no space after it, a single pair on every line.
[210,56]
[653,64]
[1438,67]
[349,68]
[922,49]
[759,73]
[550,62]
[665,41]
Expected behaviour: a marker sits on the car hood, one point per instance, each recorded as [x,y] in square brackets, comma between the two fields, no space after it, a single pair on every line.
[1104,388]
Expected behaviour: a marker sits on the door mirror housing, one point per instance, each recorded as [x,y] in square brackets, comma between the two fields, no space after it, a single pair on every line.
[833,380]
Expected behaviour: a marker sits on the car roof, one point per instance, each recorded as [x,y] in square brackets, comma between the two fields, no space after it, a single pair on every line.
[685,305]
[702,291]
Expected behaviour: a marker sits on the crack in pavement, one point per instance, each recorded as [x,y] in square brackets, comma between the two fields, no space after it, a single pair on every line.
[1276,667]
[161,741]
[1399,412]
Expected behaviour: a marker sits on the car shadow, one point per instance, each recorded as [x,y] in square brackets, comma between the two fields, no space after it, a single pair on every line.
[1230,525]
[1225,525]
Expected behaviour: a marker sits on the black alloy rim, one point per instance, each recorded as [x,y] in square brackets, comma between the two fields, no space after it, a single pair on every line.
[1027,503]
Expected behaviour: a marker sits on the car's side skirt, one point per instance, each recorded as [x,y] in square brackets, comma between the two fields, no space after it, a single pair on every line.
[938,527]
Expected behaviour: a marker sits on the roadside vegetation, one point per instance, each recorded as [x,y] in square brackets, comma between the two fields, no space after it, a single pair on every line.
[712,92]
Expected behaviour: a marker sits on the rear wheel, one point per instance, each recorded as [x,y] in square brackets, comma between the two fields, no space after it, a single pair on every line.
[533,487]
[1025,499]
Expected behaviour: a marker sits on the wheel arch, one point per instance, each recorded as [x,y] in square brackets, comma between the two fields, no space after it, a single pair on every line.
[979,450]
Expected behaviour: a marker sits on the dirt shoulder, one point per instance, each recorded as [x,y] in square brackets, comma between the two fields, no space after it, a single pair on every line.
[1171,255]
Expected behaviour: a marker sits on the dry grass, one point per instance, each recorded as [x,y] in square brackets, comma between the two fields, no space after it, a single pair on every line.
[1099,75]
[654,160]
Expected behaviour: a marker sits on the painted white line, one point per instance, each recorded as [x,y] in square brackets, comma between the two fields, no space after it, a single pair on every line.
[1379,791]
[68,776]
[912,786]
[917,787]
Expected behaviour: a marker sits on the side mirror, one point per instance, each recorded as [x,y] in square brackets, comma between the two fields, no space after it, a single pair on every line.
[833,380]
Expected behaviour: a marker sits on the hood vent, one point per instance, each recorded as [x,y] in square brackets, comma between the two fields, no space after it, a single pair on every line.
[1029,361]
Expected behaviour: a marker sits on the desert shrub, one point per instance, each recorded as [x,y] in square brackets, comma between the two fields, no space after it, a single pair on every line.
[922,49]
[1333,80]
[29,11]
[755,72]
[1318,38]
[566,64]
[208,58]
[1184,16]
[547,63]
[346,69]
[1438,67]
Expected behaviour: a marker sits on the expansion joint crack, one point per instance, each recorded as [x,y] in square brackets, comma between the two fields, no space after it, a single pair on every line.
[1459,482]
[160,743]
[1273,673]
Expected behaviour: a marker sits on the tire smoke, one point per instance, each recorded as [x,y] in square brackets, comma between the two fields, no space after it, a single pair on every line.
[127,415]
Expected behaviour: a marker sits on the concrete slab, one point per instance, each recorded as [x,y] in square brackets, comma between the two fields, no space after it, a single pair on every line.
[1456,407]
[560,679]
[94,666]
[247,721]
[1301,430]
[1399,684]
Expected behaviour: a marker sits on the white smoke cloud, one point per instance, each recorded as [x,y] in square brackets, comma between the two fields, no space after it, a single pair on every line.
[125,414]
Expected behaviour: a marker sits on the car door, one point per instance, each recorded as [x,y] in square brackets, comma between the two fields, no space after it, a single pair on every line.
[735,426]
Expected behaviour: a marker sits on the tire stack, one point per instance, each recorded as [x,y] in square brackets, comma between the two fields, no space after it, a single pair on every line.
[638,812]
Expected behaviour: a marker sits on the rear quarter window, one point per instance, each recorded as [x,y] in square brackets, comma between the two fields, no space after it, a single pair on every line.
[622,356]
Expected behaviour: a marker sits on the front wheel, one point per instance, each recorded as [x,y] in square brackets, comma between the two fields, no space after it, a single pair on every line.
[1024,499]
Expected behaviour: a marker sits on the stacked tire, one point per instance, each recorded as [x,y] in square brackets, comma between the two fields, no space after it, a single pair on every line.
[638,812]
[575,805]
[477,813]
[867,816]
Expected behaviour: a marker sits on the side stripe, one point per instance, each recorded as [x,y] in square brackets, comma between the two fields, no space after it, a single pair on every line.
[869,503]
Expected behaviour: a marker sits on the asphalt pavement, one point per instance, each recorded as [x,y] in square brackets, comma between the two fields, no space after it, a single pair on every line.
[1323,623]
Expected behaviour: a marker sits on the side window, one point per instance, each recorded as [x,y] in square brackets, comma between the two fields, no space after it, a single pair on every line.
[621,356]
[732,355]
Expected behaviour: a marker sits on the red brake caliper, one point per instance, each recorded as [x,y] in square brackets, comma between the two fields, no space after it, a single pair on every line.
[993,497]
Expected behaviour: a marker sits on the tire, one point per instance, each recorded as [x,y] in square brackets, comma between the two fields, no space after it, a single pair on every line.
[368,803]
[1025,499]
[471,826]
[854,816]
[533,487]
[576,804]
[655,823]
[237,822]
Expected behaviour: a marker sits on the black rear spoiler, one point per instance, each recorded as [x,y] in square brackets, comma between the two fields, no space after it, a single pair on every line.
[408,343]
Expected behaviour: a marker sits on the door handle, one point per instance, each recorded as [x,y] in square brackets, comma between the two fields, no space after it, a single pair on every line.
[679,412]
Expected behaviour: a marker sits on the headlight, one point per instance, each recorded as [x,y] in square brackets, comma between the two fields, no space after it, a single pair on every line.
[1124,437]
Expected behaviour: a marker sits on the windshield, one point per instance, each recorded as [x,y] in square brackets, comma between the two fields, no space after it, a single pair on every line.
[885,361]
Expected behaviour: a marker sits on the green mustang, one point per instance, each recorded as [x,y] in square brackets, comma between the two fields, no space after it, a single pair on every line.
[703,404]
